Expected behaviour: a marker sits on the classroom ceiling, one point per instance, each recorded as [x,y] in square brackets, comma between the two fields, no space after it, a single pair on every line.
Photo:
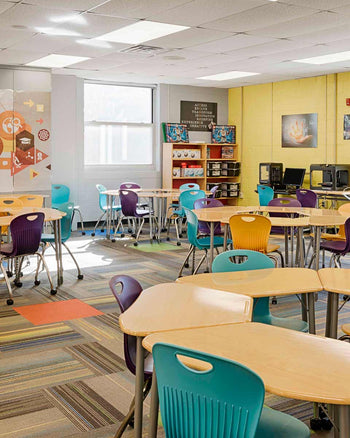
[258,36]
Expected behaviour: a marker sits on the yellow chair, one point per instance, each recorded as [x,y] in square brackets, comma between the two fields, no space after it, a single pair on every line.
[32,200]
[346,329]
[252,231]
[5,202]
[345,208]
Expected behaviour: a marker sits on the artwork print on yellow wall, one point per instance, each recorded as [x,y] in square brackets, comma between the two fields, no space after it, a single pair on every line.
[299,131]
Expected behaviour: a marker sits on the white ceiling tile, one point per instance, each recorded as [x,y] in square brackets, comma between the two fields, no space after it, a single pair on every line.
[137,8]
[18,57]
[318,22]
[4,6]
[343,10]
[198,12]
[326,35]
[188,38]
[43,43]
[77,49]
[234,42]
[269,14]
[319,4]
[74,5]
[93,64]
[10,36]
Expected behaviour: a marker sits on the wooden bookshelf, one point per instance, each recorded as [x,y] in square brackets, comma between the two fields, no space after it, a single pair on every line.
[173,156]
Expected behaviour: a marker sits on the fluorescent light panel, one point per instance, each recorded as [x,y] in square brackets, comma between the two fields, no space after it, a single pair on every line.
[228,75]
[326,59]
[141,31]
[56,61]
[94,43]
[56,31]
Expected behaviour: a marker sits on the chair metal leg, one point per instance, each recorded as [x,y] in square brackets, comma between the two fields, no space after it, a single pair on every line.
[99,220]
[80,275]
[8,284]
[139,230]
[185,261]
[53,291]
[201,262]
[81,220]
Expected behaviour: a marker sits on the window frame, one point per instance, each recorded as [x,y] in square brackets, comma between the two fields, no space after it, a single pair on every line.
[127,166]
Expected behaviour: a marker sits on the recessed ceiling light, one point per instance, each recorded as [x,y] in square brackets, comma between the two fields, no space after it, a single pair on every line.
[95,43]
[228,75]
[57,61]
[57,31]
[326,59]
[77,18]
[141,31]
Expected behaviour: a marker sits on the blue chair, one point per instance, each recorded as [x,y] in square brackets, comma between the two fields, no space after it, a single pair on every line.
[266,194]
[225,400]
[232,261]
[186,199]
[201,243]
[102,200]
[182,188]
[66,224]
[60,195]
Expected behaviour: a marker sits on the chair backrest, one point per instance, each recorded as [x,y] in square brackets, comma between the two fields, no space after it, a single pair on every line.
[26,232]
[188,197]
[192,227]
[66,221]
[129,185]
[266,194]
[32,200]
[189,186]
[59,194]
[224,400]
[213,191]
[128,200]
[203,227]
[9,201]
[307,198]
[345,208]
[283,202]
[130,291]
[102,199]
[241,260]
[250,231]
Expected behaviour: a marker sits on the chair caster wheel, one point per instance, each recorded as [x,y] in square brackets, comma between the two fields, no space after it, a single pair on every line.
[9,274]
[80,276]
[135,244]
[83,233]
[129,230]
[141,232]
[112,240]
[315,424]
[53,291]
[18,284]
[178,243]
[186,265]
[345,297]
[154,238]
[180,235]
[93,234]
[102,231]
[206,271]
[21,274]
[326,424]
[274,301]
[122,235]
[37,282]
[134,236]
[168,238]
[9,302]
[131,423]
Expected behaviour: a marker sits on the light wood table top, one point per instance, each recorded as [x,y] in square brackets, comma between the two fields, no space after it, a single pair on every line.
[292,364]
[259,283]
[151,193]
[51,214]
[335,280]
[171,306]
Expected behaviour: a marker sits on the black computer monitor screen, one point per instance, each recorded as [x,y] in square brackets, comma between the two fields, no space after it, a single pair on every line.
[293,177]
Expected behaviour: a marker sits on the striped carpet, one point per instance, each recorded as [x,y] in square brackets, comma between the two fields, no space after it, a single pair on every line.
[68,379]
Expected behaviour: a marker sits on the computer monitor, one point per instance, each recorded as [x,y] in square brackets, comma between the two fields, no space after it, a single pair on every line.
[293,177]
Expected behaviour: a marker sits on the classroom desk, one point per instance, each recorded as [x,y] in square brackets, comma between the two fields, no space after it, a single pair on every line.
[264,283]
[291,364]
[335,281]
[171,306]
[51,215]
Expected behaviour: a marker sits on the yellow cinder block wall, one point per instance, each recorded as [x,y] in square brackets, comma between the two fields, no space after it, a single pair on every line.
[257,112]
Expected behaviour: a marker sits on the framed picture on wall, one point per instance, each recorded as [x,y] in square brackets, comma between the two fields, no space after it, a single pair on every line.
[175,132]
[299,131]
[223,134]
[346,135]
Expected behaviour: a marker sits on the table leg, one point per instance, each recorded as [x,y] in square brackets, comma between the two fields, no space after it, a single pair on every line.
[139,387]
[150,219]
[311,307]
[153,426]
[286,246]
[108,217]
[211,258]
[60,252]
[332,315]
[225,237]
[301,248]
[317,247]
[344,421]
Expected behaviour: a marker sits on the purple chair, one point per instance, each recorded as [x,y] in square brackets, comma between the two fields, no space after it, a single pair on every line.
[130,186]
[26,233]
[213,191]
[282,202]
[338,248]
[129,203]
[130,291]
[307,198]
[203,227]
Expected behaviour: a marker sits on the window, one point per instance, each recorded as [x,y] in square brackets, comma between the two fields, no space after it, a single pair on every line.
[118,125]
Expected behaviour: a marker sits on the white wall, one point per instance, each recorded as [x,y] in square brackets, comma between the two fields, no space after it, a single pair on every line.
[68,139]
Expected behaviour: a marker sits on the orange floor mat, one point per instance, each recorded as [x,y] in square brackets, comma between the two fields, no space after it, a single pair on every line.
[58,311]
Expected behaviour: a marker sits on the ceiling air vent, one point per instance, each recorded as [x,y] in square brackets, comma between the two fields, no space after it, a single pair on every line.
[144,50]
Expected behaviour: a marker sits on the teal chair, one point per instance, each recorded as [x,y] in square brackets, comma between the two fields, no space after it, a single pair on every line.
[102,201]
[229,261]
[182,188]
[201,243]
[60,195]
[66,223]
[224,401]
[186,200]
[266,195]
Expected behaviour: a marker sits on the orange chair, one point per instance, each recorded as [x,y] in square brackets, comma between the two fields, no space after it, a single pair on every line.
[32,200]
[6,202]
[252,231]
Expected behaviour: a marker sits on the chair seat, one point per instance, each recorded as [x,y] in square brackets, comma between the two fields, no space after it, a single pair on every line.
[115,208]
[275,424]
[218,241]
[6,248]
[143,212]
[49,238]
[336,246]
[272,248]
[346,328]
[289,323]
[329,236]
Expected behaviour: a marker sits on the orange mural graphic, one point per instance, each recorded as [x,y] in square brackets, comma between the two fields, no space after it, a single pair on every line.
[11,123]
